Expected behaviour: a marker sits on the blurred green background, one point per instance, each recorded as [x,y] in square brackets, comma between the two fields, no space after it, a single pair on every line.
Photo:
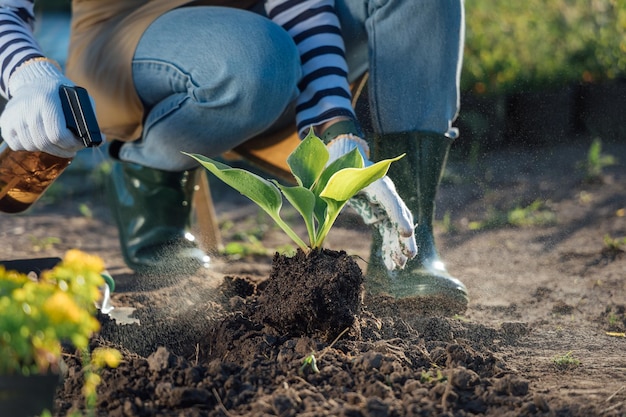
[537,44]
[532,44]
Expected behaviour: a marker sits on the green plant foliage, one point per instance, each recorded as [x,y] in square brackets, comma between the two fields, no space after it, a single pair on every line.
[430,376]
[93,363]
[321,191]
[614,243]
[309,362]
[535,214]
[85,210]
[531,45]
[37,315]
[251,246]
[43,243]
[596,161]
[100,174]
[565,361]
[614,247]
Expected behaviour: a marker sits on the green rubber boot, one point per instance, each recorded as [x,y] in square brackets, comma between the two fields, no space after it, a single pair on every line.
[424,282]
[152,209]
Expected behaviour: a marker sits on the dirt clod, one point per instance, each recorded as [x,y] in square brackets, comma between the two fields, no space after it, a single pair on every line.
[318,294]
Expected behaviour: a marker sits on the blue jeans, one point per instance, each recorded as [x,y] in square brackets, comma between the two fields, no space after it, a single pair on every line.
[211,78]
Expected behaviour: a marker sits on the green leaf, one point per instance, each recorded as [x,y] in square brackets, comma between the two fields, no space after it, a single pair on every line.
[303,200]
[261,191]
[257,189]
[331,213]
[321,206]
[352,159]
[307,161]
[321,193]
[344,184]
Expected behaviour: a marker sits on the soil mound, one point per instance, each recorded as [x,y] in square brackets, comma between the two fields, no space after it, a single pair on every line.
[303,343]
[317,294]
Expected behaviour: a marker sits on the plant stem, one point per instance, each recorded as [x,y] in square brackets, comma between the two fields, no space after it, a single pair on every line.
[331,215]
[291,233]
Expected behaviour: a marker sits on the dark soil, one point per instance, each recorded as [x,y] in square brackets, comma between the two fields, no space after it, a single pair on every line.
[315,295]
[252,361]
[235,340]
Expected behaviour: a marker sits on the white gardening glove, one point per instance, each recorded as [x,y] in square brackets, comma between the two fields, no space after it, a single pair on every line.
[33,118]
[379,205]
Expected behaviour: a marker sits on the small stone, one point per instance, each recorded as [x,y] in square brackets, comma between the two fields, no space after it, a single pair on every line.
[160,360]
[541,403]
[464,378]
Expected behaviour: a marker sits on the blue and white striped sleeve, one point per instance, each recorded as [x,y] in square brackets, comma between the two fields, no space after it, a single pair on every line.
[324,88]
[17,42]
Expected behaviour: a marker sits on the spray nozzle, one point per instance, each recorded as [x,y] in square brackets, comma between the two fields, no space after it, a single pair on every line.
[79,115]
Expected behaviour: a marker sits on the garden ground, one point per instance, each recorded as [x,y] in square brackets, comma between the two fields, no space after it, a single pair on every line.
[539,246]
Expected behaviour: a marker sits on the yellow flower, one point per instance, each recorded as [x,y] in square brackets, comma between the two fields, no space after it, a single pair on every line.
[83,261]
[37,314]
[62,309]
[19,295]
[106,356]
[91,383]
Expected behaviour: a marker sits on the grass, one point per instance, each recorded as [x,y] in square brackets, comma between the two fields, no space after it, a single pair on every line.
[85,210]
[446,224]
[593,167]
[428,377]
[614,244]
[249,242]
[613,247]
[566,361]
[613,320]
[535,214]
[241,249]
[43,243]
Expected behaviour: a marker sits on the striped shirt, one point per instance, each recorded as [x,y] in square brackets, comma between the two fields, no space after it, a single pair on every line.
[313,25]
[17,42]
[324,88]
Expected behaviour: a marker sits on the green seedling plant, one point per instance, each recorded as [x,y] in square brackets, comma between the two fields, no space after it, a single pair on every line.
[249,241]
[614,247]
[43,243]
[615,244]
[310,361]
[566,361]
[596,161]
[429,377]
[321,191]
[613,320]
[535,214]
